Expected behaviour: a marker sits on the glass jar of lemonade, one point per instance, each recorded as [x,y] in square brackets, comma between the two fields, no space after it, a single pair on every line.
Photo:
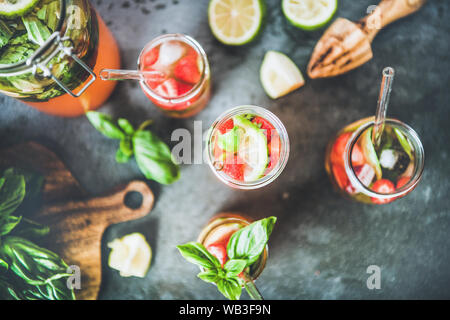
[50,53]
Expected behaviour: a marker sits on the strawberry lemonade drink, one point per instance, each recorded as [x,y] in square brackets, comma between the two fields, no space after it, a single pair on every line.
[247,147]
[375,175]
[183,88]
[217,233]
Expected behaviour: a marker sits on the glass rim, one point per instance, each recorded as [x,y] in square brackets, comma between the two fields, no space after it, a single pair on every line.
[419,158]
[284,155]
[193,44]
[227,217]
[21,67]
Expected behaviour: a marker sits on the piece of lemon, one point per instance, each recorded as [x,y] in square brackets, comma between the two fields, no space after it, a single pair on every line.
[131,255]
[279,75]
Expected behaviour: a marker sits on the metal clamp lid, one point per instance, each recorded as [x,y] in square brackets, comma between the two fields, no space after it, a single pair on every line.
[36,63]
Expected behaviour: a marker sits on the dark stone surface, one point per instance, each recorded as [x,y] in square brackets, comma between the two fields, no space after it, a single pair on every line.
[322,243]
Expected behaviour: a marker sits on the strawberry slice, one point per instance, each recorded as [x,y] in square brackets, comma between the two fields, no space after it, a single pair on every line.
[266,126]
[338,151]
[234,167]
[274,147]
[187,70]
[150,57]
[226,126]
[402,181]
[168,89]
[218,251]
[365,174]
[383,186]
[340,176]
[184,88]
[154,80]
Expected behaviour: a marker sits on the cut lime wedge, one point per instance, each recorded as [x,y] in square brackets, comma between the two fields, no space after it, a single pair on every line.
[131,255]
[230,140]
[252,149]
[309,14]
[279,75]
[235,22]
[14,8]
[370,153]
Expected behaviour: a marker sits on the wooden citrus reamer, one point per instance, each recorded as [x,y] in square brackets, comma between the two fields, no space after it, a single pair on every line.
[346,45]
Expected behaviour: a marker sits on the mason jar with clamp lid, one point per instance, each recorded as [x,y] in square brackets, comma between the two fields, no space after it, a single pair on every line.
[50,53]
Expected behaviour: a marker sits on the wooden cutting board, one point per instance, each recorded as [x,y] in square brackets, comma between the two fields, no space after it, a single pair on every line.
[76,221]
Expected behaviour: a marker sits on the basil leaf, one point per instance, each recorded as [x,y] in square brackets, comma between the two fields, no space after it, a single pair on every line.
[30,229]
[196,253]
[3,264]
[7,291]
[121,157]
[11,193]
[37,31]
[126,147]
[249,242]
[209,275]
[35,265]
[105,125]
[154,158]
[230,288]
[9,224]
[234,267]
[126,126]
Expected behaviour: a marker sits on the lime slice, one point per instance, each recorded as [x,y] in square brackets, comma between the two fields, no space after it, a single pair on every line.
[309,14]
[235,22]
[279,75]
[230,140]
[252,149]
[131,255]
[14,8]
[370,153]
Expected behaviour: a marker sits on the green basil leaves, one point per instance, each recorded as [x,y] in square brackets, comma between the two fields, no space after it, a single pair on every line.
[152,155]
[244,248]
[27,271]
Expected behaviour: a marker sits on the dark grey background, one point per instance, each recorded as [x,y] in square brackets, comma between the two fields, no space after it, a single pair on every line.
[322,243]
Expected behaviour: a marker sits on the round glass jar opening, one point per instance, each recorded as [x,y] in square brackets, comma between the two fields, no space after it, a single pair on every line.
[224,219]
[419,159]
[198,87]
[284,146]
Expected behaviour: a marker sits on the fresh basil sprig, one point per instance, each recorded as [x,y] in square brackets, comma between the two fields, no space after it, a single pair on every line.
[244,248]
[152,155]
[27,271]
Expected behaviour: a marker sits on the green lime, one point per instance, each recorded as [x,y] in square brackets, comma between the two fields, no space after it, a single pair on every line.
[235,22]
[253,149]
[309,14]
[370,153]
[14,8]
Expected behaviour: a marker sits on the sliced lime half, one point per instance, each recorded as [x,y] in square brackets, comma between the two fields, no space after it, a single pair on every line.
[309,14]
[235,22]
[253,149]
[14,8]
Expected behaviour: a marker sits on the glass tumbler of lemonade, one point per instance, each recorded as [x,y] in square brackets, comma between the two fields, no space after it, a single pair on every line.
[50,53]
[375,175]
[182,88]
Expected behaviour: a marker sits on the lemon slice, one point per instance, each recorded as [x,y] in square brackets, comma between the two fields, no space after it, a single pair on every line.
[253,149]
[235,22]
[14,8]
[131,255]
[309,14]
[279,75]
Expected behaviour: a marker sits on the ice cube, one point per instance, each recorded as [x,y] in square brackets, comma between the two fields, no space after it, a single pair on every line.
[170,52]
[388,158]
[365,174]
